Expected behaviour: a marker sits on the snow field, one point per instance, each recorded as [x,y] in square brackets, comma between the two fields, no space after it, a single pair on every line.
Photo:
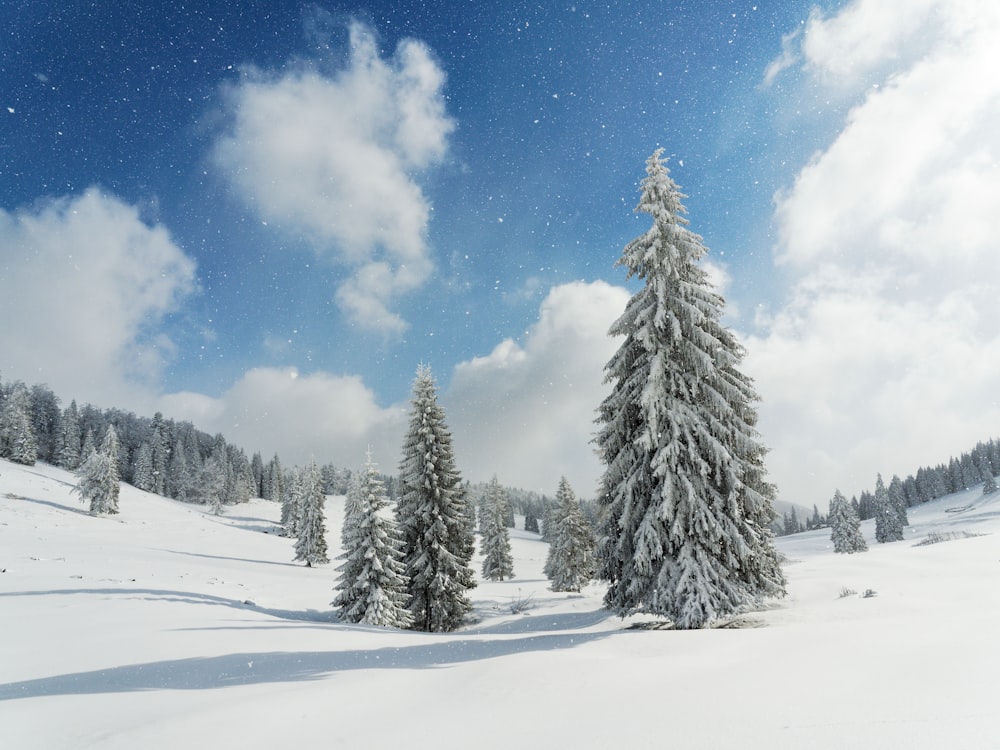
[166,627]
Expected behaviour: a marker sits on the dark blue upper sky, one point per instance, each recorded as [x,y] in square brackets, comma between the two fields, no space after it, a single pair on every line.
[556,108]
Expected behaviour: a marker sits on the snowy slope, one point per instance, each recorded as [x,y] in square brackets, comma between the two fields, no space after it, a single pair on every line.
[165,627]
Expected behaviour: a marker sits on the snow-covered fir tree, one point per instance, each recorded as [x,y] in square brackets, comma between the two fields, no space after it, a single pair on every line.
[897,499]
[433,516]
[70,439]
[291,501]
[17,436]
[845,527]
[99,481]
[686,508]
[142,469]
[888,525]
[311,527]
[530,520]
[274,481]
[372,586]
[989,481]
[498,562]
[570,563]
[159,444]
[212,484]
[348,596]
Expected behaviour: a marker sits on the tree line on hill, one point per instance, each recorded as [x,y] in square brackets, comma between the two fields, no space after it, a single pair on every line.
[887,504]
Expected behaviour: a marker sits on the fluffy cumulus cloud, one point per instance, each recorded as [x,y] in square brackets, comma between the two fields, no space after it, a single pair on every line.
[84,286]
[318,416]
[337,158]
[525,411]
[886,355]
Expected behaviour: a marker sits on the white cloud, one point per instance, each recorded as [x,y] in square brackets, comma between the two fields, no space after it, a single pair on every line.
[789,57]
[301,417]
[885,356]
[525,412]
[868,35]
[336,159]
[84,285]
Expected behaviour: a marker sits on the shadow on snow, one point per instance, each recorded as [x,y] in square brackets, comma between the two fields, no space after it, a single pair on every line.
[206,673]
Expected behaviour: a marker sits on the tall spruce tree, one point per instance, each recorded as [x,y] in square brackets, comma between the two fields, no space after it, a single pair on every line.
[570,562]
[686,508]
[888,527]
[433,516]
[845,527]
[311,528]
[498,562]
[372,584]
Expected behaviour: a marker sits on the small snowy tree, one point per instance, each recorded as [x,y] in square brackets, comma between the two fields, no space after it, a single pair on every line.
[433,516]
[311,527]
[530,520]
[99,481]
[686,508]
[570,563]
[845,526]
[888,526]
[498,562]
[989,482]
[212,485]
[372,584]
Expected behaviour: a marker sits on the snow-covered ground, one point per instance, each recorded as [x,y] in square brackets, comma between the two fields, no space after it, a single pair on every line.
[165,627]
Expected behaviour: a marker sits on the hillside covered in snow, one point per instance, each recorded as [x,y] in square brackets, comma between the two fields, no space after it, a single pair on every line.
[167,627]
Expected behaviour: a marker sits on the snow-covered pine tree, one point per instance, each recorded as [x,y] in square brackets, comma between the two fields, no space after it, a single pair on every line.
[845,526]
[159,444]
[99,480]
[897,499]
[211,485]
[433,516]
[888,527]
[570,563]
[686,508]
[348,597]
[311,527]
[17,437]
[989,481]
[142,469]
[69,438]
[498,562]
[274,484]
[291,500]
[372,583]
[530,519]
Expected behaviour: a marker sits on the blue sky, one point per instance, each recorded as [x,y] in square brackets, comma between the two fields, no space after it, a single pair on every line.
[262,217]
